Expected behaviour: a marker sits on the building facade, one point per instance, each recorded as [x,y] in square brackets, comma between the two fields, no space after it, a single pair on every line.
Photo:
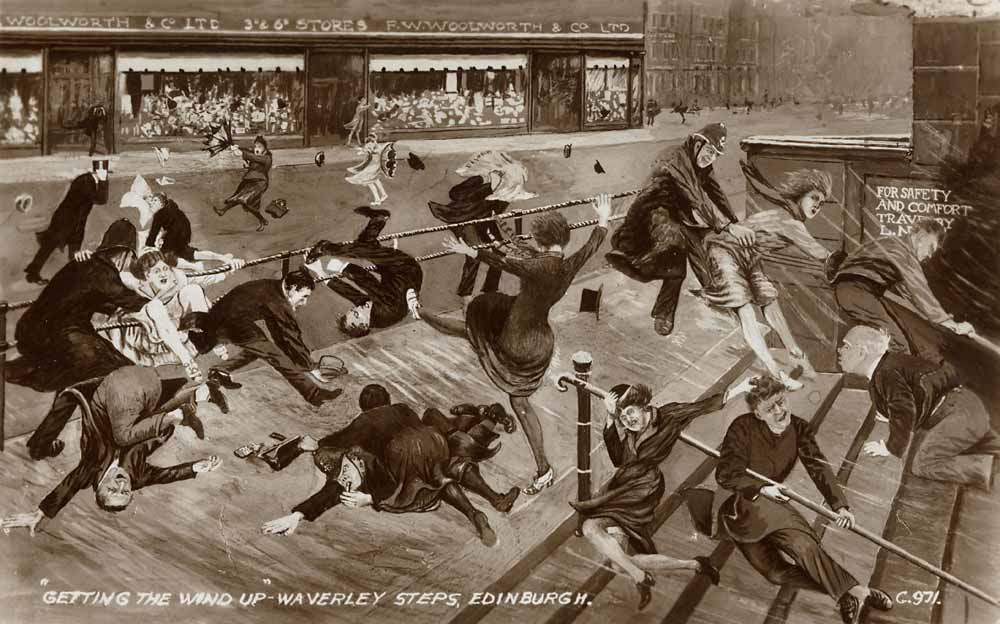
[703,52]
[298,72]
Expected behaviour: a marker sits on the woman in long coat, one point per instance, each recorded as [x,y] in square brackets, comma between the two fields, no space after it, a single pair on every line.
[255,181]
[511,334]
[639,437]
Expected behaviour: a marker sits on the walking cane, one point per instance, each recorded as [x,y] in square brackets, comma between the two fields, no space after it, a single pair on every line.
[805,502]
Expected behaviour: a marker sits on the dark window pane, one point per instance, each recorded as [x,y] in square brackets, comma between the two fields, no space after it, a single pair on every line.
[556,94]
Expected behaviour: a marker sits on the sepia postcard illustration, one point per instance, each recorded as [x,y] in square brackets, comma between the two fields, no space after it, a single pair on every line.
[558,312]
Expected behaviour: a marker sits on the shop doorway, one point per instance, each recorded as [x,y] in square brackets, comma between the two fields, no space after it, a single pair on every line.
[81,108]
[336,86]
[555,92]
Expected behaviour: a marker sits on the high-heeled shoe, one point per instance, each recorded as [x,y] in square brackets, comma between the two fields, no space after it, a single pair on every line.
[541,482]
[645,587]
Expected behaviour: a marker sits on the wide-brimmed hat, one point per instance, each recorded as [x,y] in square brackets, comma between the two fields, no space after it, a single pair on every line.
[120,235]
[714,134]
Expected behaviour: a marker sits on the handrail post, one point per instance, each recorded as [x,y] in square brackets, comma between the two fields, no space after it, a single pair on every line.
[582,363]
[286,266]
[3,373]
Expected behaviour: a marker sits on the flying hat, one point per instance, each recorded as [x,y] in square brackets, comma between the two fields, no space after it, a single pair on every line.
[120,235]
[714,134]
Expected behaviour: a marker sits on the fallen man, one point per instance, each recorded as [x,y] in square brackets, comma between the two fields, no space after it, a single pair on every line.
[132,413]
[393,461]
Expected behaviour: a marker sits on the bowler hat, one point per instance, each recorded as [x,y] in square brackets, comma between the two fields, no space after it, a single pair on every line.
[714,134]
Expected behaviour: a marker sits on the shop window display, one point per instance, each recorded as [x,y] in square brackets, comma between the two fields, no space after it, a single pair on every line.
[20,99]
[445,91]
[182,97]
[607,90]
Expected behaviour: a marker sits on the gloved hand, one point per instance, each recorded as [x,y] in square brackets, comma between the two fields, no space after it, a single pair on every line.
[317,250]
[832,264]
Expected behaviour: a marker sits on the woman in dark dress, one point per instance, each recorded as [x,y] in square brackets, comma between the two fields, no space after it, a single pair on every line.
[255,181]
[511,334]
[639,437]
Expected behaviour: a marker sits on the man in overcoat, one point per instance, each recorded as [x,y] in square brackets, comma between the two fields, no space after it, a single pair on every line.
[390,459]
[56,337]
[953,438]
[69,222]
[236,319]
[668,221]
[379,296]
[131,414]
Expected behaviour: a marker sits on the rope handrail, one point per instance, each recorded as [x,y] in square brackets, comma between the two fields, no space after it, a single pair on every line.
[405,234]
[432,256]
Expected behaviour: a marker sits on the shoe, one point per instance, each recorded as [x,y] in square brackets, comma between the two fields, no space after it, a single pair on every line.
[54,448]
[483,528]
[217,397]
[371,213]
[413,303]
[878,599]
[224,379]
[708,569]
[801,361]
[663,326]
[35,278]
[645,587]
[499,415]
[191,420]
[506,502]
[323,395]
[791,384]
[464,409]
[541,482]
[261,225]
[220,211]
[849,607]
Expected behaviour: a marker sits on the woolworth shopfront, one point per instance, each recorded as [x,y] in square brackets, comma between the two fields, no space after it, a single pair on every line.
[116,77]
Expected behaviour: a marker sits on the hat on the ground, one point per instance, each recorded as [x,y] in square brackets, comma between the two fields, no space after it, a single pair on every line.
[319,159]
[715,134]
[120,235]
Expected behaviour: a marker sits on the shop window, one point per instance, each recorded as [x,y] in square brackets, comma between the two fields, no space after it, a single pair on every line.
[606,90]
[181,96]
[414,92]
[20,99]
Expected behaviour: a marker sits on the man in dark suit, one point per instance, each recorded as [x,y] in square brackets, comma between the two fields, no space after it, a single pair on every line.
[58,343]
[234,319]
[390,459]
[469,201]
[668,221]
[378,301]
[953,438]
[132,413]
[69,222]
